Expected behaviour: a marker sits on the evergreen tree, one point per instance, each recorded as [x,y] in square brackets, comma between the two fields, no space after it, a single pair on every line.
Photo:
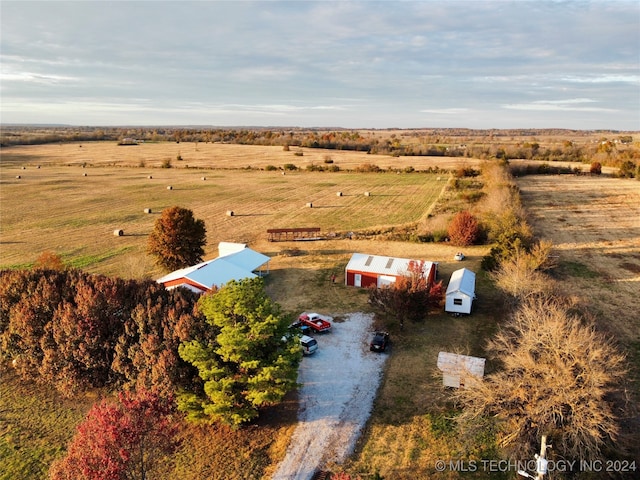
[251,364]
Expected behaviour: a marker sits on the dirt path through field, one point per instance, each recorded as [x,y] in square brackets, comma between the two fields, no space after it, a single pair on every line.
[339,384]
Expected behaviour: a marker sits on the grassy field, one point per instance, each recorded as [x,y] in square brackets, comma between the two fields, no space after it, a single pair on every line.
[594,224]
[57,208]
[209,155]
[592,221]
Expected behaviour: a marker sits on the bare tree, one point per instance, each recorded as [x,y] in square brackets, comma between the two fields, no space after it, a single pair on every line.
[557,374]
[521,275]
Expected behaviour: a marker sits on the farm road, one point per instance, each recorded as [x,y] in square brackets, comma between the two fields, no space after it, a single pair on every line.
[339,384]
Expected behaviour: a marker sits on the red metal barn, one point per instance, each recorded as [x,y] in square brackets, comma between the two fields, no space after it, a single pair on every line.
[365,270]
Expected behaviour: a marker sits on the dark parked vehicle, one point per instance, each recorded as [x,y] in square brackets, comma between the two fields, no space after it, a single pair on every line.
[379,342]
[298,326]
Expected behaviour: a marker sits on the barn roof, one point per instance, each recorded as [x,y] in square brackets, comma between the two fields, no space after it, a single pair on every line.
[233,266]
[463,281]
[378,264]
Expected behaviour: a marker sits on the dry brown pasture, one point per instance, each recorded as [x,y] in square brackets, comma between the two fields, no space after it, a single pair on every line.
[78,196]
[594,224]
[209,155]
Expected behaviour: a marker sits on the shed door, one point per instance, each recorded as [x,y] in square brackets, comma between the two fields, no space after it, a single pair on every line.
[357,279]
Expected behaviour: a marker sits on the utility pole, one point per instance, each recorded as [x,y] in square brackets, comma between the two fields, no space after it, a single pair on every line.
[541,460]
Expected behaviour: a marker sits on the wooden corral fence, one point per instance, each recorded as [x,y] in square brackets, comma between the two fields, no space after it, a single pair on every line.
[285,234]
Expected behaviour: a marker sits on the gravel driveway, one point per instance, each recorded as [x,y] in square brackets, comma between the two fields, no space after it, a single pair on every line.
[339,383]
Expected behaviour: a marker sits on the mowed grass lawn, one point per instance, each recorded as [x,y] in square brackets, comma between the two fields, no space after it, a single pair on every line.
[74,211]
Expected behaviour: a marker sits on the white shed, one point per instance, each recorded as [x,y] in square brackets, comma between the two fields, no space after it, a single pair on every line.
[461,291]
[460,370]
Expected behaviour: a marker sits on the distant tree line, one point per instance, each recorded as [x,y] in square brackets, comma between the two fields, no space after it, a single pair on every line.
[611,150]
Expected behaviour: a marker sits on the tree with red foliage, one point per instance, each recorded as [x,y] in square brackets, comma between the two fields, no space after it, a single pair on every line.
[121,441]
[83,330]
[595,168]
[146,353]
[75,330]
[411,297]
[177,239]
[49,260]
[464,229]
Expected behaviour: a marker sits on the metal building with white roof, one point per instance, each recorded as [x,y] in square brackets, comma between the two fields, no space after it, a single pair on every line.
[458,370]
[365,270]
[461,292]
[236,262]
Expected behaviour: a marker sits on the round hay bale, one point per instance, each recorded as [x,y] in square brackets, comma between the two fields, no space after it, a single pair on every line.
[367,194]
[310,205]
[204,178]
[150,177]
[118,233]
[84,174]
[24,168]
[18,176]
[339,194]
[38,166]
[147,210]
[230,213]
[169,187]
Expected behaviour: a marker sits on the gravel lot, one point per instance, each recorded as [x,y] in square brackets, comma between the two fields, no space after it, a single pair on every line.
[339,383]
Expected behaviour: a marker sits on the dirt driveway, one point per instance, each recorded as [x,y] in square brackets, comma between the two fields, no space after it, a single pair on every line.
[339,384]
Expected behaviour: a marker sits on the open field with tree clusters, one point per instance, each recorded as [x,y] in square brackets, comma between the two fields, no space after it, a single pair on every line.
[56,207]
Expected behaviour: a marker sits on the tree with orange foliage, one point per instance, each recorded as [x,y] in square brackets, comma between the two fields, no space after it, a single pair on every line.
[464,229]
[49,260]
[177,239]
[411,297]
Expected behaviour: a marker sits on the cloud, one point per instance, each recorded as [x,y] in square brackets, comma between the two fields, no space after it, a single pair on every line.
[446,111]
[348,63]
[568,105]
[606,78]
[32,77]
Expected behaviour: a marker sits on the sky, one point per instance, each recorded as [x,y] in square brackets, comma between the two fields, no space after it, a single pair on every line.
[361,64]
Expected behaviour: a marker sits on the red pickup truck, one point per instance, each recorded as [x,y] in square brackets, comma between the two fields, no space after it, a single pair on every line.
[315,322]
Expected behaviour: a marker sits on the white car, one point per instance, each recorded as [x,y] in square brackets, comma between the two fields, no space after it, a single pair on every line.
[458,257]
[308,344]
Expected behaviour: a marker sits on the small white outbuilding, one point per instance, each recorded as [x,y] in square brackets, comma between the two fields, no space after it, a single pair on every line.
[458,370]
[461,292]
